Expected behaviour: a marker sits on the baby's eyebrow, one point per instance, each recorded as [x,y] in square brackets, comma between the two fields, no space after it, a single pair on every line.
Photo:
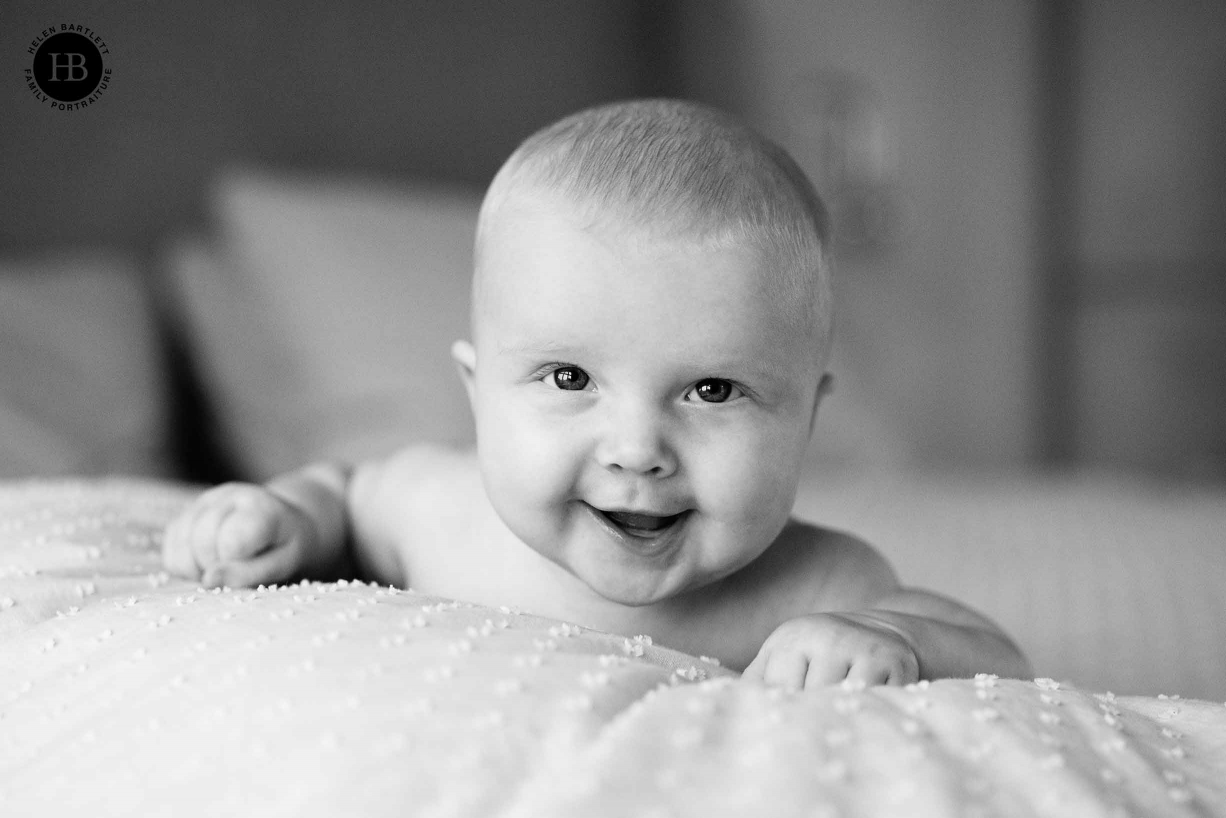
[756,371]
[762,372]
[531,348]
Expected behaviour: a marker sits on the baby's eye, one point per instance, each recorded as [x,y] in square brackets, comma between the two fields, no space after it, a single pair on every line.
[571,378]
[716,390]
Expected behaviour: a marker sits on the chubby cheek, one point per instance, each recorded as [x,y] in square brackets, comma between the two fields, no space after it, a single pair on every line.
[746,486]
[527,469]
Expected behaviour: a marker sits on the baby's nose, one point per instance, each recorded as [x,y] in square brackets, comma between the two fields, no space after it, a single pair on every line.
[636,441]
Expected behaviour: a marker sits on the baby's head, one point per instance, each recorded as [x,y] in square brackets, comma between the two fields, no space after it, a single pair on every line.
[651,324]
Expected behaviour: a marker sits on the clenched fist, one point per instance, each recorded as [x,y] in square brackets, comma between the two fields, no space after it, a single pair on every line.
[238,534]
[822,649]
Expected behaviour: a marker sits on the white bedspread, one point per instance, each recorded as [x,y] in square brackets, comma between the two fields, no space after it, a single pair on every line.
[124,692]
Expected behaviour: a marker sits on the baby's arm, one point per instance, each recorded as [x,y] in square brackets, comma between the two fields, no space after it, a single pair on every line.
[951,640]
[297,525]
[865,628]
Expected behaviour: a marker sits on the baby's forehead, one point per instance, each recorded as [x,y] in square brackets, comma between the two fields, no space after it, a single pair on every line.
[541,253]
[519,241]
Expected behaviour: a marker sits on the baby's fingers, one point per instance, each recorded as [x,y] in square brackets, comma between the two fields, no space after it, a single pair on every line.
[785,669]
[828,672]
[869,674]
[190,541]
[233,521]
[202,535]
[896,668]
[753,672]
[176,548]
[272,566]
[247,531]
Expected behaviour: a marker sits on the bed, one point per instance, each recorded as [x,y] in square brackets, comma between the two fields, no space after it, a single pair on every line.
[124,691]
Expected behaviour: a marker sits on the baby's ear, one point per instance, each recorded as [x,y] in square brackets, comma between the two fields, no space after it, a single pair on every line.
[824,387]
[465,358]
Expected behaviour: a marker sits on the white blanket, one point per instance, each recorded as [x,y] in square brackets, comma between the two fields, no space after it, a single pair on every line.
[125,692]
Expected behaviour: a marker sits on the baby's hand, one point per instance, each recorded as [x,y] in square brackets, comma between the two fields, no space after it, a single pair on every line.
[823,649]
[237,534]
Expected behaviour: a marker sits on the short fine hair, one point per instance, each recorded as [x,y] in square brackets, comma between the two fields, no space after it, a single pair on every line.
[687,171]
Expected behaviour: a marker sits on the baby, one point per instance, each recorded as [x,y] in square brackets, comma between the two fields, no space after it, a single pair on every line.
[651,321]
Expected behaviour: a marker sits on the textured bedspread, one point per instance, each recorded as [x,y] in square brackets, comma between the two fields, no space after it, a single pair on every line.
[125,692]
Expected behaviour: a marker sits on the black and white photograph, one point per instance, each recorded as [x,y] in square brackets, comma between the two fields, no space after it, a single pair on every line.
[613,408]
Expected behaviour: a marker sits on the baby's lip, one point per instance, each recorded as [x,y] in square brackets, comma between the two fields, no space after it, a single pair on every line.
[640,520]
[644,523]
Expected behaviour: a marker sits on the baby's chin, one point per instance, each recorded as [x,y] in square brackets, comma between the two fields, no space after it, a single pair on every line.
[630,588]
[629,597]
[639,588]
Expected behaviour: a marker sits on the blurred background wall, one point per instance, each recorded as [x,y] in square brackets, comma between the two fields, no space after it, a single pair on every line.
[1029,195]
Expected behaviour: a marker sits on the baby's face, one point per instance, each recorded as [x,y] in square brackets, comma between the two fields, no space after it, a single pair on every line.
[642,405]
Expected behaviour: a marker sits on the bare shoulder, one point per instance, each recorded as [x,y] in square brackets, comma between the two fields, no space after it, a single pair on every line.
[416,472]
[807,569]
[811,569]
[419,494]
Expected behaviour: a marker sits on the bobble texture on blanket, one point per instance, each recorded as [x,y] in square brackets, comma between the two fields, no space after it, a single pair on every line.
[124,691]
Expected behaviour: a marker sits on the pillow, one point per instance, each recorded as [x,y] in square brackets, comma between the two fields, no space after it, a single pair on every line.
[82,380]
[322,313]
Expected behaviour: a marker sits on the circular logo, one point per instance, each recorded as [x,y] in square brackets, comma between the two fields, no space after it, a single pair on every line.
[68,70]
[67,66]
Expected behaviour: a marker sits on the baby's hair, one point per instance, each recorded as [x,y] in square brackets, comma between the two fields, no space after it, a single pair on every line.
[688,171]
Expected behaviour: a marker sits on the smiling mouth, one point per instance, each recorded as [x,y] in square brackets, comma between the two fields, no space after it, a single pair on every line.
[641,526]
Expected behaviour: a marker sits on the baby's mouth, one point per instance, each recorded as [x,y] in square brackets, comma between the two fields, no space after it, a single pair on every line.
[644,526]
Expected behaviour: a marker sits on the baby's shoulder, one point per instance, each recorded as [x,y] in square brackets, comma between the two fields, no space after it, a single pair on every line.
[816,569]
[421,496]
[417,474]
[807,569]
